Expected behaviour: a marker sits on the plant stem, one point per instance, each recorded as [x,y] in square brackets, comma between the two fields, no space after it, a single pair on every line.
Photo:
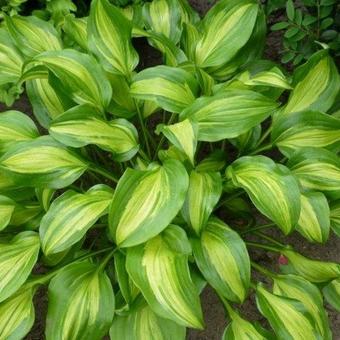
[226,304]
[264,246]
[263,148]
[144,155]
[99,170]
[227,199]
[107,259]
[259,227]
[264,136]
[263,270]
[145,136]
[266,237]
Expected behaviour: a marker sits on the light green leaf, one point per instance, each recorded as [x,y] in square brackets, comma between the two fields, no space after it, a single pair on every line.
[204,191]
[44,196]
[145,202]
[33,35]
[17,259]
[271,187]
[316,84]
[76,29]
[7,207]
[222,257]
[335,216]
[171,88]
[228,114]
[226,28]
[216,161]
[332,294]
[81,303]
[27,215]
[109,37]
[306,129]
[314,217]
[70,216]
[160,270]
[82,126]
[42,162]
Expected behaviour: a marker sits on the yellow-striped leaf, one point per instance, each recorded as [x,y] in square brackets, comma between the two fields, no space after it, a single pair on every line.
[76,29]
[182,135]
[145,202]
[44,196]
[33,35]
[288,317]
[204,191]
[271,187]
[296,287]
[222,257]
[160,270]
[17,259]
[80,303]
[332,294]
[314,217]
[79,75]
[7,207]
[335,216]
[316,84]
[305,129]
[228,114]
[82,126]
[109,37]
[17,315]
[42,162]
[226,28]
[140,323]
[15,127]
[70,216]
[26,215]
[311,270]
[171,88]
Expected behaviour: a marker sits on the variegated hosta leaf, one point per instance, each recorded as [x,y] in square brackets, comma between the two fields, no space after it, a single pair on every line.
[314,217]
[288,317]
[17,314]
[204,191]
[332,293]
[79,75]
[160,270]
[145,202]
[316,84]
[7,207]
[164,17]
[76,29]
[296,287]
[304,129]
[271,187]
[171,88]
[248,140]
[140,323]
[26,214]
[44,196]
[216,161]
[17,259]
[311,270]
[335,216]
[317,169]
[226,28]
[109,37]
[182,135]
[229,114]
[15,127]
[70,216]
[222,257]
[33,35]
[82,126]
[47,102]
[42,162]
[80,303]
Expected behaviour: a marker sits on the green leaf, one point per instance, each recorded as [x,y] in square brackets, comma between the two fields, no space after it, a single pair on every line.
[109,38]
[76,29]
[213,162]
[44,196]
[335,216]
[81,303]
[33,35]
[70,216]
[42,162]
[171,88]
[288,317]
[291,32]
[222,257]
[160,270]
[82,126]
[204,192]
[17,259]
[79,75]
[306,129]
[287,57]
[226,29]
[17,314]
[228,114]
[296,287]
[271,187]
[290,10]
[140,322]
[7,207]
[182,135]
[332,294]
[308,20]
[316,84]
[145,202]
[280,26]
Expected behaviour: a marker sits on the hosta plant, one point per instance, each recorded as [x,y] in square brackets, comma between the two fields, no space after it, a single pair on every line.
[131,188]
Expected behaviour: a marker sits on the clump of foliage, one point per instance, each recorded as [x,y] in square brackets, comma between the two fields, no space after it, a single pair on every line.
[126,223]
[309,26]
